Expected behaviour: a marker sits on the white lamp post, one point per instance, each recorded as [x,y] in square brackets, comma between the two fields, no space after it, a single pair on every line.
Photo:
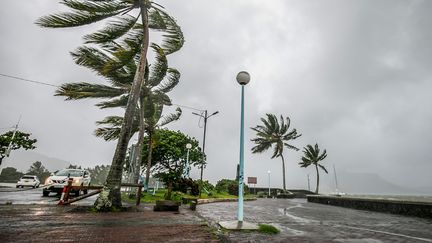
[268,172]
[187,167]
[243,78]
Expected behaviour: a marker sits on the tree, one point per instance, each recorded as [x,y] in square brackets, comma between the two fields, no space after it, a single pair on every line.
[99,174]
[20,140]
[277,135]
[91,11]
[169,155]
[10,174]
[39,170]
[312,156]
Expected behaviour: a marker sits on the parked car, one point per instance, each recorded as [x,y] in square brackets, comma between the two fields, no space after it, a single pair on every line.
[28,180]
[57,181]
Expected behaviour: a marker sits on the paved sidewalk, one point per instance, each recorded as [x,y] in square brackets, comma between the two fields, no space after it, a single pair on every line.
[45,223]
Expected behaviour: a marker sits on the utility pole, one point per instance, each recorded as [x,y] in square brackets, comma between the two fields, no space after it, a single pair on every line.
[205,116]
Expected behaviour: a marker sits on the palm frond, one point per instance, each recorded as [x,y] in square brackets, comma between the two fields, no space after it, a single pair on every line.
[170,118]
[95,12]
[173,80]
[159,68]
[113,30]
[114,103]
[74,91]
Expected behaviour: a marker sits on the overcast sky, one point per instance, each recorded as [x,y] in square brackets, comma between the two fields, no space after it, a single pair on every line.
[354,76]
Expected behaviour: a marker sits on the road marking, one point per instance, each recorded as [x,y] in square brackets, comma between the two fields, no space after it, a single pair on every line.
[384,232]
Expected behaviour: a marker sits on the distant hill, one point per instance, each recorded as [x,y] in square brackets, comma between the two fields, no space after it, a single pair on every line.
[22,160]
[365,183]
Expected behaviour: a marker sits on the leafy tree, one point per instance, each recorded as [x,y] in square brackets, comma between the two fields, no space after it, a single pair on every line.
[39,170]
[312,156]
[91,11]
[71,166]
[99,174]
[169,155]
[10,174]
[229,186]
[271,133]
[20,140]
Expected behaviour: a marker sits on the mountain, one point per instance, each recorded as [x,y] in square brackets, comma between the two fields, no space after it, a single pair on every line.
[365,183]
[22,160]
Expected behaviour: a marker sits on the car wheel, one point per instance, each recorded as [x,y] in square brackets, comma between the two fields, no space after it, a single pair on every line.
[77,193]
[86,190]
[34,186]
[45,193]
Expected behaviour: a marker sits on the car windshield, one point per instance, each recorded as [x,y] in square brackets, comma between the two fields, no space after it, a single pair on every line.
[69,172]
[27,178]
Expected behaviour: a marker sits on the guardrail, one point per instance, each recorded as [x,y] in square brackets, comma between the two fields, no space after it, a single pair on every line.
[64,199]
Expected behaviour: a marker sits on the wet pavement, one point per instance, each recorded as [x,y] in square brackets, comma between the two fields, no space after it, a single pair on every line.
[33,196]
[49,223]
[300,221]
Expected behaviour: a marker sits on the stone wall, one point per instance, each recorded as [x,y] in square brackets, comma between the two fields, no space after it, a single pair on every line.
[411,208]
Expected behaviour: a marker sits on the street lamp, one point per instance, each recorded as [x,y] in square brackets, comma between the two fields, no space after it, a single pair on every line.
[187,167]
[205,116]
[268,172]
[243,78]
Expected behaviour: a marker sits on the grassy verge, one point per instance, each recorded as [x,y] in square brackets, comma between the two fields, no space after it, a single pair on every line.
[159,195]
[268,229]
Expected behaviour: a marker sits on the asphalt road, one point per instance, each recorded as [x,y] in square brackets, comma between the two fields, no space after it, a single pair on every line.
[10,194]
[300,221]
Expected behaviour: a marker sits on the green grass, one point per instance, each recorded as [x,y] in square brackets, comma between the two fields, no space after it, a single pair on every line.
[159,195]
[268,229]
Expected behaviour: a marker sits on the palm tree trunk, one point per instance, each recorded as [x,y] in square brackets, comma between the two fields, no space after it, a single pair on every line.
[283,173]
[138,157]
[317,186]
[149,159]
[110,196]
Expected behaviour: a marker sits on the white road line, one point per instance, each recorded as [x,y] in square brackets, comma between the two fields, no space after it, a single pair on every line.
[384,232]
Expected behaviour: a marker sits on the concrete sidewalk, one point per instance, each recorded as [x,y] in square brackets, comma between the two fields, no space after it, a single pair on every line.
[46,223]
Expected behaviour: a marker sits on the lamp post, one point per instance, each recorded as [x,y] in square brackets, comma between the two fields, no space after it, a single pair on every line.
[268,172]
[187,167]
[243,78]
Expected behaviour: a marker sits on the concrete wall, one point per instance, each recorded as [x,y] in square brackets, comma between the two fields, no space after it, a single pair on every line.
[418,209]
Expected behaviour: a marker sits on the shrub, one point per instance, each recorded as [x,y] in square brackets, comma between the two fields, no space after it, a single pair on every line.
[267,229]
[183,184]
[262,194]
[229,186]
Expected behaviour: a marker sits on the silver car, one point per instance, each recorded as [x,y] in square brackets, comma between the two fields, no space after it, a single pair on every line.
[59,179]
[28,180]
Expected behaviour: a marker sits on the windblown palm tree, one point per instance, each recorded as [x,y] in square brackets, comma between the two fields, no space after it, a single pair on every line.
[277,135]
[312,156]
[126,29]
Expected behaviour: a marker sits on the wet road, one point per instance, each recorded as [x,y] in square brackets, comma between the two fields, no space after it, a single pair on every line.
[300,221]
[34,196]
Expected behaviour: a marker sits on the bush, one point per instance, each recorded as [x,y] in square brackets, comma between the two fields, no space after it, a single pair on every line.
[267,229]
[229,186]
[183,184]
[262,194]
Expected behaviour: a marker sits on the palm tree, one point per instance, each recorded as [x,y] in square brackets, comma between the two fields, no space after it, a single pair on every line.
[91,11]
[274,134]
[312,156]
[153,119]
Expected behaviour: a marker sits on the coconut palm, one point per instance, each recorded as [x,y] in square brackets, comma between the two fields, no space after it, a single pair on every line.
[126,27]
[153,119]
[312,156]
[273,134]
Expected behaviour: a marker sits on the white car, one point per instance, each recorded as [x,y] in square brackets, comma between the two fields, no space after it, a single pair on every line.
[28,180]
[59,179]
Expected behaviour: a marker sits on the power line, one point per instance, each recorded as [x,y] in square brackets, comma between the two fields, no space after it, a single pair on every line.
[28,80]
[189,107]
[52,85]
